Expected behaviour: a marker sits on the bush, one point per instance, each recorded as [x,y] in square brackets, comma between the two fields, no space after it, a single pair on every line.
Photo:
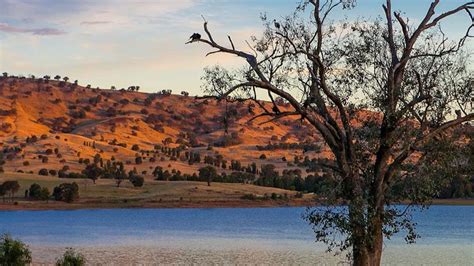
[135,147]
[137,180]
[13,252]
[249,197]
[138,160]
[71,258]
[43,171]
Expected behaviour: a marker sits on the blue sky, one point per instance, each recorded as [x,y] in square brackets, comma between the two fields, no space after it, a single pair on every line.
[141,42]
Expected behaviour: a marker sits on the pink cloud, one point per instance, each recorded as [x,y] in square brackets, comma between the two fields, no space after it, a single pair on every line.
[36,31]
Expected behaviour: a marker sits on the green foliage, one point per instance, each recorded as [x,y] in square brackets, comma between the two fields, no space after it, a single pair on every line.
[71,258]
[93,171]
[207,173]
[67,192]
[13,252]
[9,187]
[35,191]
[135,179]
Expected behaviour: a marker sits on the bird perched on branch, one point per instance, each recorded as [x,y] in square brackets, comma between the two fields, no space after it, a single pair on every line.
[194,37]
[277,25]
[458,114]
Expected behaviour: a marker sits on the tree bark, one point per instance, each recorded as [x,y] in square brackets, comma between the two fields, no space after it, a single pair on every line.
[367,235]
[366,254]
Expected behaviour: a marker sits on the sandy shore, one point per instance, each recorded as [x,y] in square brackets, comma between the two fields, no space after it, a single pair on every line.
[164,204]
[133,255]
[52,205]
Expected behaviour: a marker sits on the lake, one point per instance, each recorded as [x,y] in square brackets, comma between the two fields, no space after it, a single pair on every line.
[224,236]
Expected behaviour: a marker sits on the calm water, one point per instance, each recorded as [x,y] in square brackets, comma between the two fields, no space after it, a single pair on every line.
[247,235]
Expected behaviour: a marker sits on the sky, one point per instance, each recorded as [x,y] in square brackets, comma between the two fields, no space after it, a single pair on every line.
[142,42]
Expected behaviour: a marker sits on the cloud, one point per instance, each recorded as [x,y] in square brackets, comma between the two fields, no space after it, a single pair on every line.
[96,22]
[36,31]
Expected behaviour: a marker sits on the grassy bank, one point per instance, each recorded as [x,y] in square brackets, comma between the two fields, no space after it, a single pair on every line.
[153,194]
[161,194]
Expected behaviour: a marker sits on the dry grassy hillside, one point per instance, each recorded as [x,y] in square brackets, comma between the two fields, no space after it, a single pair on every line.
[52,124]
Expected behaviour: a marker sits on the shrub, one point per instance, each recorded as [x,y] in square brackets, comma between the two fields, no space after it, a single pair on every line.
[299,195]
[135,147]
[137,180]
[249,197]
[71,258]
[43,171]
[138,160]
[13,252]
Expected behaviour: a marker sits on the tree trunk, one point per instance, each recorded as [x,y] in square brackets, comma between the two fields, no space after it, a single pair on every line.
[367,236]
[368,254]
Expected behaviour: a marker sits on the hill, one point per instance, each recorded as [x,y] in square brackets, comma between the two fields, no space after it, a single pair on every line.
[51,128]
[64,122]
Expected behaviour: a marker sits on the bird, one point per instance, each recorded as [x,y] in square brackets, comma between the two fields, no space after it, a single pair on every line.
[458,114]
[277,25]
[194,37]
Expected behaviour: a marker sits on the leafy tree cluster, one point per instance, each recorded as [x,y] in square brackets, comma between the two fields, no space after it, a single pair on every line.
[290,146]
[205,174]
[13,252]
[9,188]
[36,192]
[67,192]
[112,170]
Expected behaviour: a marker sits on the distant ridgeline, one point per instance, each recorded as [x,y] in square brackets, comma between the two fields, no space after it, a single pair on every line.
[113,134]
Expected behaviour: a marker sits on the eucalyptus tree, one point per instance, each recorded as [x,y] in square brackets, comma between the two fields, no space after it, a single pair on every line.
[404,80]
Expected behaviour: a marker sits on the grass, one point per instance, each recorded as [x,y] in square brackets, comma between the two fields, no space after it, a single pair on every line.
[154,193]
[105,194]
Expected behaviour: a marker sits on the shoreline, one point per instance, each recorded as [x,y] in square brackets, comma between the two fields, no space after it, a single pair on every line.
[42,206]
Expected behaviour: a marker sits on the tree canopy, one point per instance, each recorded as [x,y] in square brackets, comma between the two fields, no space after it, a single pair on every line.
[403,79]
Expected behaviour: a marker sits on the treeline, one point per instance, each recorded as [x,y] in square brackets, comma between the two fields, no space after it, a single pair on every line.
[67,192]
[290,146]
[205,174]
